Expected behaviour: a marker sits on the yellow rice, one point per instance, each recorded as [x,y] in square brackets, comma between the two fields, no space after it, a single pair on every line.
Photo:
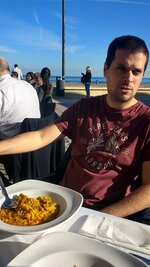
[30,211]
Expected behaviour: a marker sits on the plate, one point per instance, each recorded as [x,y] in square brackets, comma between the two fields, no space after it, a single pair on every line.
[69,201]
[73,250]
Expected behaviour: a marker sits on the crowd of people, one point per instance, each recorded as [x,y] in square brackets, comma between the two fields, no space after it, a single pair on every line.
[39,80]
[21,98]
[110,134]
[18,100]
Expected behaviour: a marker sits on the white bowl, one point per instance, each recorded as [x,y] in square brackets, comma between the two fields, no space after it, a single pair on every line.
[71,258]
[69,202]
[67,249]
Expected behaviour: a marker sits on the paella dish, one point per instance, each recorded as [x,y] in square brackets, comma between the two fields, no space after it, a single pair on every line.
[30,211]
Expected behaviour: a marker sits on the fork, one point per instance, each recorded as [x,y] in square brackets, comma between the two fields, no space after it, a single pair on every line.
[9,203]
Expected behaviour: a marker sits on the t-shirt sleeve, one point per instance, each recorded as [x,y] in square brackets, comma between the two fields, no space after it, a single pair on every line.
[67,121]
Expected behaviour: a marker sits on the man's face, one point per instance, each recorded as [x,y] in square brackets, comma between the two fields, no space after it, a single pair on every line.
[124,77]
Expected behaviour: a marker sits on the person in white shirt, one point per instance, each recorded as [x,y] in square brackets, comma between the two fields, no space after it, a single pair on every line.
[18,100]
[20,76]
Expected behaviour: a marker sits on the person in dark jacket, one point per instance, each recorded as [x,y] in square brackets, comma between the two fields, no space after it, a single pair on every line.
[87,80]
[46,89]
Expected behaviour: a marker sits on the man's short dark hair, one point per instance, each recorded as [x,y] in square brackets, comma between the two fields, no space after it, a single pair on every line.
[130,43]
[15,65]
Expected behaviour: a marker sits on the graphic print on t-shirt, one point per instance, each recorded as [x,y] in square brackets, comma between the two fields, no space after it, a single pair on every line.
[108,142]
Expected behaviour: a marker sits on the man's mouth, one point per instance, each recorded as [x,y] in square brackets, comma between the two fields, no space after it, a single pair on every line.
[125,89]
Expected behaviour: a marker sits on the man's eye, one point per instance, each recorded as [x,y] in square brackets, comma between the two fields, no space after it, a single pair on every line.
[121,68]
[136,72]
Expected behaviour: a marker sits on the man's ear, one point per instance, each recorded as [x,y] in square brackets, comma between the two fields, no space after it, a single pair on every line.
[105,69]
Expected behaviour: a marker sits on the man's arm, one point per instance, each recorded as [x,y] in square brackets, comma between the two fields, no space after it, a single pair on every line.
[29,141]
[137,200]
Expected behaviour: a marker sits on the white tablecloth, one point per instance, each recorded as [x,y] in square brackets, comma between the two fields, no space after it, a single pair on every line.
[12,244]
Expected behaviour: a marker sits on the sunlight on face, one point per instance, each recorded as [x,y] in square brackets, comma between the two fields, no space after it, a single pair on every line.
[124,77]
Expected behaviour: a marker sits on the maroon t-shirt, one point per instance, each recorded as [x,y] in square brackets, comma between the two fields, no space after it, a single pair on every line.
[108,148]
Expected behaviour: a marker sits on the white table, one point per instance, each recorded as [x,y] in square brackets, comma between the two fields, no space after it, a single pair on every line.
[12,244]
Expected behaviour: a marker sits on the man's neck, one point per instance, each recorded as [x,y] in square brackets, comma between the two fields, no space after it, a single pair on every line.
[120,105]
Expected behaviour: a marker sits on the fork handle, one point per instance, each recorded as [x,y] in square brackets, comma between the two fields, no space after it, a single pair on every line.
[3,187]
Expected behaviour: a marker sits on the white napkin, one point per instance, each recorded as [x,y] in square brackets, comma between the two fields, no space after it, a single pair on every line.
[119,232]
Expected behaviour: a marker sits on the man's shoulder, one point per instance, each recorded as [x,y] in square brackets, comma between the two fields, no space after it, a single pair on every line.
[87,103]
[143,109]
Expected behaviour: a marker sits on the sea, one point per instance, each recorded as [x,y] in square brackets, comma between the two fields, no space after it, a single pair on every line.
[96,80]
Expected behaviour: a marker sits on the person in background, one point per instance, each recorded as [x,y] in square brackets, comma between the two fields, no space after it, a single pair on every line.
[30,78]
[87,80]
[46,89]
[14,74]
[47,106]
[38,80]
[110,150]
[18,100]
[19,71]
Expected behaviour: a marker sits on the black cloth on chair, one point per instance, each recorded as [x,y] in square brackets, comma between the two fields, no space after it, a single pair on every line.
[5,180]
[12,165]
[41,164]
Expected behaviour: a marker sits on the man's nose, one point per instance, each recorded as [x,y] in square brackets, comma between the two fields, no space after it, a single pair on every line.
[128,77]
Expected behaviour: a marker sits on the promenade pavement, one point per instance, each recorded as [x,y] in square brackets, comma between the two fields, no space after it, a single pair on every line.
[62,103]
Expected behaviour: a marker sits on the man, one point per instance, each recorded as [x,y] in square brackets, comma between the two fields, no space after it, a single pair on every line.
[110,136]
[20,76]
[18,100]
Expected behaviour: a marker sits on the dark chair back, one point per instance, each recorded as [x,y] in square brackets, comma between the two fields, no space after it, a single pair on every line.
[41,164]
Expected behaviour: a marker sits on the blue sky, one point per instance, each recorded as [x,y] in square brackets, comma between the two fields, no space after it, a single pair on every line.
[31,32]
